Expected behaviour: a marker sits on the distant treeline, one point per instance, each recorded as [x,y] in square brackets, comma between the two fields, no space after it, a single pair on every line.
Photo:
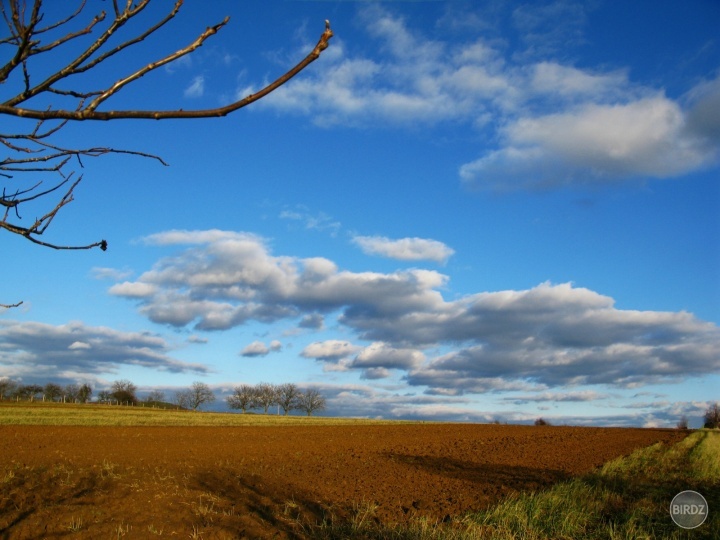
[71,393]
[286,397]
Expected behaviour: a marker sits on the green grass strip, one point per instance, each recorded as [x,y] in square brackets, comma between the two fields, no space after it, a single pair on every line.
[628,498]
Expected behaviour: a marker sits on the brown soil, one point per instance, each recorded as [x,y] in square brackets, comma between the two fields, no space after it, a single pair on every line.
[262,482]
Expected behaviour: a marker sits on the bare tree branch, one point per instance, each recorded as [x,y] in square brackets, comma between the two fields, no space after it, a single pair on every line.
[31,154]
[89,111]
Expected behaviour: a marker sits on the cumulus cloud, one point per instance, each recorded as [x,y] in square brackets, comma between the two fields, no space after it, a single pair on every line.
[258,348]
[381,355]
[330,350]
[312,321]
[592,144]
[41,351]
[547,336]
[233,278]
[559,335]
[375,360]
[555,124]
[132,290]
[405,249]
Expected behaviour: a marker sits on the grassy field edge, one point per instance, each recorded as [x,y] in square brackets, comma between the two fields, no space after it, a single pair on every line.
[63,414]
[628,498]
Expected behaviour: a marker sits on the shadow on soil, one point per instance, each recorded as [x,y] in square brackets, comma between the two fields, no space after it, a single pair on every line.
[255,507]
[514,477]
[35,492]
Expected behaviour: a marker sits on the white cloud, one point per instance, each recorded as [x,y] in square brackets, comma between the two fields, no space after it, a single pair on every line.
[546,336]
[618,352]
[551,78]
[554,124]
[405,249]
[331,350]
[412,83]
[37,351]
[183,237]
[318,222]
[258,348]
[382,355]
[196,88]
[130,290]
[111,273]
[234,279]
[591,144]
[377,359]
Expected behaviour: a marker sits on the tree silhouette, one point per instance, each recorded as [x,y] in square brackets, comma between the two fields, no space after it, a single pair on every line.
[124,391]
[243,398]
[310,401]
[712,416]
[198,394]
[287,397]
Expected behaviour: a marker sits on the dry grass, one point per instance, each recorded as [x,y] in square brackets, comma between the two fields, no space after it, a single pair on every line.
[62,414]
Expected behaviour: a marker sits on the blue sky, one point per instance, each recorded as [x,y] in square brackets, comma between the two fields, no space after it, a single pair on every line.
[462,211]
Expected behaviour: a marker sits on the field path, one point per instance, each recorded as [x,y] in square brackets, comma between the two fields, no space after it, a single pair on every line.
[234,482]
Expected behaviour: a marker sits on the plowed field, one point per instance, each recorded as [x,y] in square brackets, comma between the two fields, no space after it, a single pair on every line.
[257,482]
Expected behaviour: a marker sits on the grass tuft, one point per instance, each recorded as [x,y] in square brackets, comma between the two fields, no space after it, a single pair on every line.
[122,529]
[153,530]
[75,525]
